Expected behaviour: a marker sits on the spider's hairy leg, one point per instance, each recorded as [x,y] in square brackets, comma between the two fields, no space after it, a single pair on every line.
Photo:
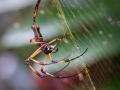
[33,55]
[60,69]
[31,40]
[60,61]
[56,39]
[31,59]
[42,67]
[79,55]
[68,60]
[63,67]
[51,59]
[37,73]
[59,77]
[53,75]
[41,76]
[34,42]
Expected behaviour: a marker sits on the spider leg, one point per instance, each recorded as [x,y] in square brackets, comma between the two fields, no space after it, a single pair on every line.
[53,75]
[32,39]
[34,42]
[59,77]
[53,62]
[41,76]
[55,40]
[41,63]
[62,68]
[33,55]
[60,61]
[35,12]
[79,55]
[51,59]
[66,60]
[42,67]
[34,26]
[37,73]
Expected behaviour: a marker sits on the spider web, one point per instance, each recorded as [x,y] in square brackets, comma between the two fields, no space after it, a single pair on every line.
[84,24]
[68,9]
[81,24]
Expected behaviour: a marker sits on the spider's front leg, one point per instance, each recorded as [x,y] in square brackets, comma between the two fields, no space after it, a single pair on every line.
[55,49]
[56,39]
[33,55]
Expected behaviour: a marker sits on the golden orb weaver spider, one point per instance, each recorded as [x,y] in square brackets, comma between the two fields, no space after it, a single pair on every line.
[47,48]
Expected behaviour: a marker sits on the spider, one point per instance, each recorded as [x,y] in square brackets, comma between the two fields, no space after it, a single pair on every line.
[47,48]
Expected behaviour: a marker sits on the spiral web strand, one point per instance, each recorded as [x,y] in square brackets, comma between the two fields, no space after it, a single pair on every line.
[60,6]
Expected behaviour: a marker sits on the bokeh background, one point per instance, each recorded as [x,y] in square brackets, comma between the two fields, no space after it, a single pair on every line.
[81,24]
